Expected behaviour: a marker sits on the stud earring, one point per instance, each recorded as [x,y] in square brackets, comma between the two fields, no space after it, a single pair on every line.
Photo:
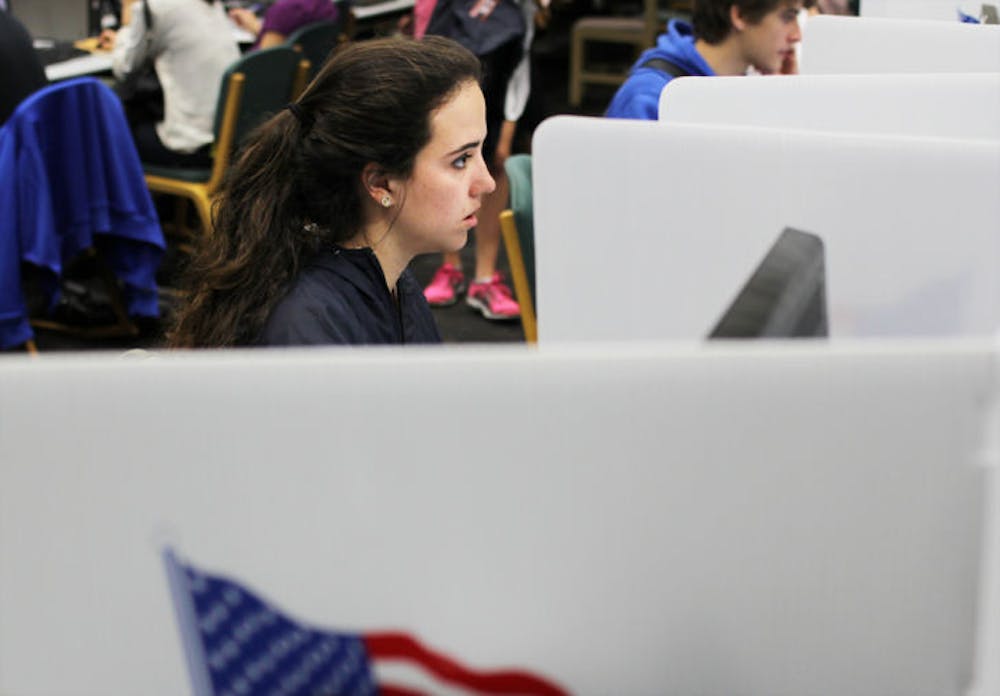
[386,201]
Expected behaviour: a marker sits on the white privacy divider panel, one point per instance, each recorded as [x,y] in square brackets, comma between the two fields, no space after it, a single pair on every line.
[752,519]
[960,105]
[870,45]
[946,10]
[648,230]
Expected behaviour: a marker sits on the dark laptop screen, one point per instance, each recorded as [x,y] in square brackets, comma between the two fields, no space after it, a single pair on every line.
[68,20]
[785,296]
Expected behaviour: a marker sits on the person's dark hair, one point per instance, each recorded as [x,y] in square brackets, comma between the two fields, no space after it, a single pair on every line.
[710,18]
[296,186]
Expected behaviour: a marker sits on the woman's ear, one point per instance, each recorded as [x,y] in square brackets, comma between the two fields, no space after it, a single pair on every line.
[377,185]
[736,18]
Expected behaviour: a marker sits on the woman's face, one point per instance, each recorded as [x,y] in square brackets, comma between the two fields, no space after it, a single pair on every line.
[444,192]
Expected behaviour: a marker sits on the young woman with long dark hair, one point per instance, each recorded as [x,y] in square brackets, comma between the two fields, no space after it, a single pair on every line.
[379,160]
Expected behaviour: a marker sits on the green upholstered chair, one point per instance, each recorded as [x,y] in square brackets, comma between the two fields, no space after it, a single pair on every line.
[316,41]
[256,86]
[516,224]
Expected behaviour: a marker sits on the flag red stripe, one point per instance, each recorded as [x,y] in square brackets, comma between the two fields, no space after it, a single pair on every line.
[387,690]
[403,647]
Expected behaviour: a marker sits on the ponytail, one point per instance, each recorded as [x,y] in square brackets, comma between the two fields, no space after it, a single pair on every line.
[261,238]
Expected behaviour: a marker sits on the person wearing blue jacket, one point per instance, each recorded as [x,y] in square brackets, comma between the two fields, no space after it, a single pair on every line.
[725,37]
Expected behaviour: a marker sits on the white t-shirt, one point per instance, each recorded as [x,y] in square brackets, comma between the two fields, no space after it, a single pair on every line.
[519,86]
[191,44]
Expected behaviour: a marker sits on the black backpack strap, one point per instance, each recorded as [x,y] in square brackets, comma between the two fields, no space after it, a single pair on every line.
[665,66]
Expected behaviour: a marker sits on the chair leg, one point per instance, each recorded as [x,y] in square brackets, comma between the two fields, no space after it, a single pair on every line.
[519,274]
[204,206]
[124,326]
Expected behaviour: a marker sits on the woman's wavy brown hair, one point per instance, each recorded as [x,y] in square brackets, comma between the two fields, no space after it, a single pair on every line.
[295,186]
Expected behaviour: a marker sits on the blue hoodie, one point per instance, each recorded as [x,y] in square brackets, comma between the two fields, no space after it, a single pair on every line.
[639,97]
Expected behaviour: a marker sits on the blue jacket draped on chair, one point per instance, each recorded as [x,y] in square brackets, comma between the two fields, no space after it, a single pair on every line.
[70,179]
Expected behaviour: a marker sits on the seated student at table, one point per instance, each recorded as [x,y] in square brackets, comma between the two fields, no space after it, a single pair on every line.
[282,19]
[379,160]
[190,43]
[726,37]
[22,72]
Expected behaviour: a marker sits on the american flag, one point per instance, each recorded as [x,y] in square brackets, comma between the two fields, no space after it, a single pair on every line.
[237,644]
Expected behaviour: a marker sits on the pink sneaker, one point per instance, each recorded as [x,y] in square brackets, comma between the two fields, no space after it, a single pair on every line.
[493,299]
[445,287]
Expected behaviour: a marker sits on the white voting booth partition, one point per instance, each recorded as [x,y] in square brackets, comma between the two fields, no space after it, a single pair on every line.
[922,9]
[684,213]
[745,519]
[873,45]
[960,105]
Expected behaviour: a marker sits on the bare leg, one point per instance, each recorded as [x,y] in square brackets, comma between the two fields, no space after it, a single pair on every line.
[488,229]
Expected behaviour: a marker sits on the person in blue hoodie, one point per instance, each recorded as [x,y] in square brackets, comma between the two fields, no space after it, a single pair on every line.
[725,37]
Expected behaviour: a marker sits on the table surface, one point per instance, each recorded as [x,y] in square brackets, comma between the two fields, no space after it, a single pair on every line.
[100,61]
[95,63]
[381,8]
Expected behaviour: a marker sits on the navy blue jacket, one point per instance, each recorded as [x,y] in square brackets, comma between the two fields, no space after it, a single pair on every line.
[341,297]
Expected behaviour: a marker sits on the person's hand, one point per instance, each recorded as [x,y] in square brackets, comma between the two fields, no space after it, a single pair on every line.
[106,41]
[790,65]
[543,15]
[245,19]
[405,25]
